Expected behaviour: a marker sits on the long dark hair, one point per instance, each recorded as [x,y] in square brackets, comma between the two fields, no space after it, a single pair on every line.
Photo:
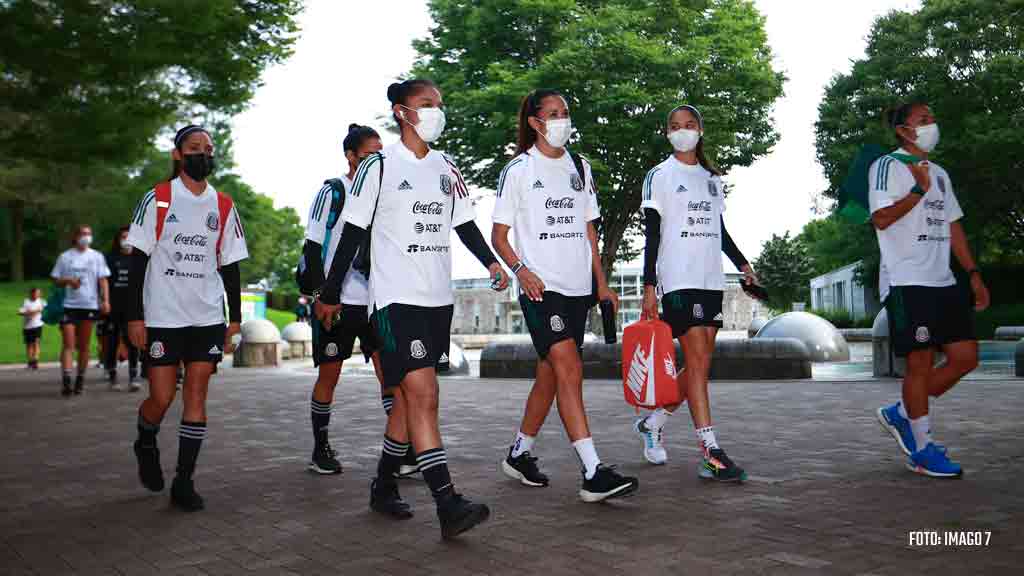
[356,136]
[896,116]
[115,246]
[179,138]
[527,136]
[400,92]
[701,156]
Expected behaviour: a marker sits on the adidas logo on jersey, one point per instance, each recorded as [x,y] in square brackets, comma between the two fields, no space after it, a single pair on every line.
[405,185]
[214,351]
[172,218]
[444,358]
[681,189]
[719,317]
[538,184]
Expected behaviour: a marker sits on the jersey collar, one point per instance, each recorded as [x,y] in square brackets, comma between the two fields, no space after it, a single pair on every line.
[905,157]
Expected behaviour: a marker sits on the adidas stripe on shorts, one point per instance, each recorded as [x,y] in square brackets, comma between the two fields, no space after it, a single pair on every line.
[683,309]
[169,346]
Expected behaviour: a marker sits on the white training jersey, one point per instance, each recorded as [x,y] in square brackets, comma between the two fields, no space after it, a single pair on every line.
[548,207]
[88,266]
[915,249]
[417,205]
[183,286]
[355,288]
[690,202]
[33,310]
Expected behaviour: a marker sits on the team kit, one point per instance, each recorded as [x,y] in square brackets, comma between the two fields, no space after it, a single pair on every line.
[377,263]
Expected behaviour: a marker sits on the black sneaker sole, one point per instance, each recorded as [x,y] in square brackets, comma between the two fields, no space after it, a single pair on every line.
[397,514]
[316,469]
[622,491]
[514,474]
[479,516]
[187,506]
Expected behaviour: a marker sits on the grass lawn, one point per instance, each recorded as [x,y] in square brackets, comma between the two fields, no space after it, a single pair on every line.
[12,347]
[280,318]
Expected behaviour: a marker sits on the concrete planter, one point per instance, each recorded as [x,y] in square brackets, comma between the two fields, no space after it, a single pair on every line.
[260,344]
[1009,333]
[298,337]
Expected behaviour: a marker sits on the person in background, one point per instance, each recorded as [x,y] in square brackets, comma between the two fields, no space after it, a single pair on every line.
[119,262]
[32,312]
[82,272]
[302,310]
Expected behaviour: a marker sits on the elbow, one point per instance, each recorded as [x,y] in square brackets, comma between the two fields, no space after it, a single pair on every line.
[880,221]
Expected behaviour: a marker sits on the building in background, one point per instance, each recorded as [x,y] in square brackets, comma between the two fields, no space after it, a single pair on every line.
[480,310]
[839,290]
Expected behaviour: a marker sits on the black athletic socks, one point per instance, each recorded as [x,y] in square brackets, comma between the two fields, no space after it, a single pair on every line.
[433,465]
[190,439]
[320,413]
[147,432]
[391,459]
[388,400]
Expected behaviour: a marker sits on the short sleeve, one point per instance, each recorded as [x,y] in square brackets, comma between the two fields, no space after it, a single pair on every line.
[883,184]
[319,212]
[720,186]
[362,197]
[593,210]
[142,233]
[506,202]
[463,210]
[953,211]
[102,270]
[232,245]
[649,197]
[58,268]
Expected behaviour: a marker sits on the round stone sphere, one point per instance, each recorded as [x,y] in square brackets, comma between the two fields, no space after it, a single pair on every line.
[297,332]
[823,340]
[260,331]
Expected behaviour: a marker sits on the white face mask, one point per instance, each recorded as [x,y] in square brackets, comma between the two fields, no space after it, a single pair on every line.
[684,140]
[559,131]
[85,241]
[431,123]
[927,136]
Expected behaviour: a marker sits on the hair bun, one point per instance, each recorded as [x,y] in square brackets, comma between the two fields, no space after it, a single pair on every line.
[353,127]
[393,91]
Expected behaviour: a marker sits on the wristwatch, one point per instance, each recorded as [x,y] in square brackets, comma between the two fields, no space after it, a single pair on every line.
[917,190]
[517,267]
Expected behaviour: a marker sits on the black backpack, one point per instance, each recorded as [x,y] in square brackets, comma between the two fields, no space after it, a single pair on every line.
[303,278]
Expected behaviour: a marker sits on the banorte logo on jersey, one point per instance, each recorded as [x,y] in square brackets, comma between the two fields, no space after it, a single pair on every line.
[435,208]
[560,203]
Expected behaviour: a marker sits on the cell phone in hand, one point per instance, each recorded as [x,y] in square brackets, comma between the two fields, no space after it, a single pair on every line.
[755,291]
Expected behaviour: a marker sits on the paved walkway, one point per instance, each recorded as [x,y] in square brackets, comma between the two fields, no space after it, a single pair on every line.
[828,493]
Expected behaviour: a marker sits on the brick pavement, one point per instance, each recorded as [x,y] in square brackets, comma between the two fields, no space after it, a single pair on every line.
[827,495]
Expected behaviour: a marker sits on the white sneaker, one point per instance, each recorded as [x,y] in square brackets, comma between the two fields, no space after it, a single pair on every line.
[654,450]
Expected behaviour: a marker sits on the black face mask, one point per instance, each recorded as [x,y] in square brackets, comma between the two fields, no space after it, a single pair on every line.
[198,166]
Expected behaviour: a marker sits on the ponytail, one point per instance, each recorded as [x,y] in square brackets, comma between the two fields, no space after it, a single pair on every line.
[527,136]
[703,159]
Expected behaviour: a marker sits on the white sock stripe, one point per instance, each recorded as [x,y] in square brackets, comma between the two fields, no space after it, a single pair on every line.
[425,467]
[193,436]
[431,459]
[192,428]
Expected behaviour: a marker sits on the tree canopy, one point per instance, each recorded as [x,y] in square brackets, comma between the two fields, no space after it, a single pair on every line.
[622,64]
[785,270]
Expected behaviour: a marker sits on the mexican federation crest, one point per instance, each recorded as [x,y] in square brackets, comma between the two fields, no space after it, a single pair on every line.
[576,182]
[446,185]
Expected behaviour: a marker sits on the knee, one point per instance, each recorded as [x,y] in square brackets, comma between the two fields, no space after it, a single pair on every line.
[420,397]
[965,362]
[161,401]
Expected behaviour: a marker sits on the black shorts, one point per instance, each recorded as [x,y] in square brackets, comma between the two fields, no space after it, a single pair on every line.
[76,316]
[32,335]
[337,344]
[555,318]
[170,346]
[411,338]
[683,309]
[922,317]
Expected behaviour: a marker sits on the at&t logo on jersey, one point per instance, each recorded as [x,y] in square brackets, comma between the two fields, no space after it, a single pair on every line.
[699,220]
[434,208]
[212,222]
[417,349]
[156,349]
[559,203]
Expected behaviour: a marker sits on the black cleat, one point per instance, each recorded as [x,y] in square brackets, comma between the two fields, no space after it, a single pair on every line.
[458,514]
[325,460]
[150,473]
[79,384]
[384,499]
[184,495]
[524,469]
[65,389]
[607,483]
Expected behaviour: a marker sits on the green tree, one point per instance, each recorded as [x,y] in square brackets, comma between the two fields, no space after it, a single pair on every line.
[86,86]
[834,242]
[623,64]
[784,269]
[965,58]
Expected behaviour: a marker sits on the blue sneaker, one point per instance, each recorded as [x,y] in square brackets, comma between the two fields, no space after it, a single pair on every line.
[890,419]
[932,461]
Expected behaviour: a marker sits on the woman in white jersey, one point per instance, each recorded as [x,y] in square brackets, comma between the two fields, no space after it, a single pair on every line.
[410,198]
[548,197]
[917,220]
[683,206]
[187,240]
[83,273]
[31,312]
[332,347]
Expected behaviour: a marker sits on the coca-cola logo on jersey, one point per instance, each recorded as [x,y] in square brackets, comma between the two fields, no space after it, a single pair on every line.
[428,208]
[190,240]
[698,206]
[559,203]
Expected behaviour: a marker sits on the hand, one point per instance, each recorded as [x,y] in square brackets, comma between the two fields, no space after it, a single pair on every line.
[75,283]
[531,284]
[105,308]
[137,334]
[606,293]
[326,313]
[748,275]
[233,328]
[650,305]
[981,297]
[499,279]
[920,172]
